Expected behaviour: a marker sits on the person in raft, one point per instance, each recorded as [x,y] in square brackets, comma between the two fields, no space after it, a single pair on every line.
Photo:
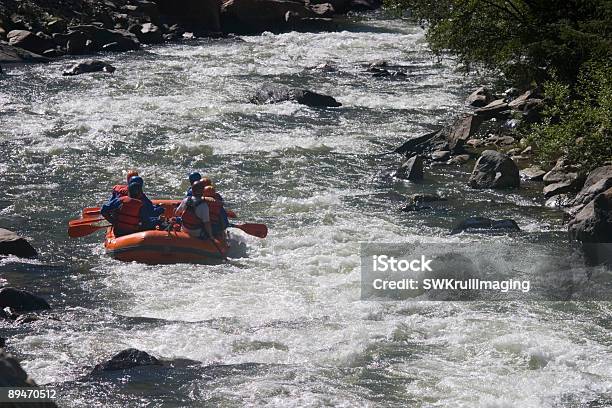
[194,213]
[121,190]
[193,177]
[217,214]
[127,214]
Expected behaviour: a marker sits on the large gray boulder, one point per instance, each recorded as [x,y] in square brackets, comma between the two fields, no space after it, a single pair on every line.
[21,300]
[598,181]
[10,54]
[593,224]
[494,170]
[272,93]
[13,244]
[29,41]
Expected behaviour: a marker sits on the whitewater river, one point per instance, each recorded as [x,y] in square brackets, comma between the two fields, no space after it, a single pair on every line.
[282,324]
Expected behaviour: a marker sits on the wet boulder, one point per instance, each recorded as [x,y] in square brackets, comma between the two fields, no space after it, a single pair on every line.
[21,300]
[29,41]
[272,93]
[459,160]
[89,66]
[256,16]
[411,169]
[127,359]
[494,170]
[13,244]
[462,131]
[593,224]
[481,224]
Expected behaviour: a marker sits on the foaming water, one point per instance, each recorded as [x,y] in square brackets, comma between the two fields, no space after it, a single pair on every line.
[282,323]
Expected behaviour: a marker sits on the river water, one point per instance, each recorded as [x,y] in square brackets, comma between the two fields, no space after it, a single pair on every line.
[282,324]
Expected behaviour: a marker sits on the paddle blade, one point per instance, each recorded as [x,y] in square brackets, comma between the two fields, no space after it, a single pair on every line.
[256,230]
[81,221]
[91,212]
[82,230]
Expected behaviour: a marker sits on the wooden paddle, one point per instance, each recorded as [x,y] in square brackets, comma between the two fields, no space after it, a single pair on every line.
[81,221]
[256,230]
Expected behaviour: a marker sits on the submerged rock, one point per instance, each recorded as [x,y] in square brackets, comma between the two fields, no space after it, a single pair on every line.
[411,169]
[272,93]
[494,170]
[21,300]
[485,224]
[89,66]
[13,244]
[126,359]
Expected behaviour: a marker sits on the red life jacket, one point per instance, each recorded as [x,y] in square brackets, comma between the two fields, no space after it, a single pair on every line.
[120,190]
[214,209]
[190,219]
[127,216]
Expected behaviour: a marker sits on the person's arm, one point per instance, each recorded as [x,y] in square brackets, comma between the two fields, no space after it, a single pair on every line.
[188,193]
[109,207]
[179,210]
[204,215]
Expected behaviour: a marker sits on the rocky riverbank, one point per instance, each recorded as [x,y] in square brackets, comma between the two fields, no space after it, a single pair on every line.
[488,133]
[35,31]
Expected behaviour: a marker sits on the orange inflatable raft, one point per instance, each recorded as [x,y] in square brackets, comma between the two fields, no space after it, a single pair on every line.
[164,247]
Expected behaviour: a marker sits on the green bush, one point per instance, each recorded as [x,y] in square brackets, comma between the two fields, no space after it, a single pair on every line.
[577,120]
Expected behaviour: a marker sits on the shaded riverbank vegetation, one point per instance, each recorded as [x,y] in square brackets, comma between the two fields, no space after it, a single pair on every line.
[561,48]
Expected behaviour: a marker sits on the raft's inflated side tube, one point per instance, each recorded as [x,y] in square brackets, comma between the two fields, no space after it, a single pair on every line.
[163,247]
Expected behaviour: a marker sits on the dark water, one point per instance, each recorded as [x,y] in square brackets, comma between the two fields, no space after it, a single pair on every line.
[283,323]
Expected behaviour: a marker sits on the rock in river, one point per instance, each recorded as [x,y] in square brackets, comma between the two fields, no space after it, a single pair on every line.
[89,66]
[272,93]
[21,300]
[126,359]
[13,244]
[485,224]
[494,170]
[411,169]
